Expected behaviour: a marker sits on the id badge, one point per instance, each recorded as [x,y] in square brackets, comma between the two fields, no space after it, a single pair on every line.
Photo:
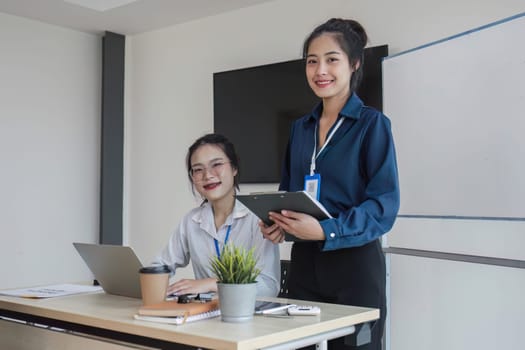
[312,185]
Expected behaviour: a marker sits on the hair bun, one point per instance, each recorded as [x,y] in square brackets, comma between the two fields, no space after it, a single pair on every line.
[358,29]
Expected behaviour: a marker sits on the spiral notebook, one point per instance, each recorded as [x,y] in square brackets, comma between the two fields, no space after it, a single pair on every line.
[178,313]
[178,320]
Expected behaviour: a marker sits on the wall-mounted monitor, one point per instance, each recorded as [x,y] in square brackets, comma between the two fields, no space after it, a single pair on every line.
[254,107]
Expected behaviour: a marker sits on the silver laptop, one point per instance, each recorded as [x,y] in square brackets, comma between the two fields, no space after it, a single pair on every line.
[115,267]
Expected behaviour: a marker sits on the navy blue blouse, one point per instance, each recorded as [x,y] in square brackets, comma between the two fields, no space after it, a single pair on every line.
[359,178]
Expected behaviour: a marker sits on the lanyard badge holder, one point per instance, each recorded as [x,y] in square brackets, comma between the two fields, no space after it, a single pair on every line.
[312,182]
[312,185]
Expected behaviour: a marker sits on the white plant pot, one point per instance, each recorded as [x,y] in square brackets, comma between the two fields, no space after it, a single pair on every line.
[237,301]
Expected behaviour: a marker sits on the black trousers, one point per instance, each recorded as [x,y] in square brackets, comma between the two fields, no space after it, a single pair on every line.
[350,276]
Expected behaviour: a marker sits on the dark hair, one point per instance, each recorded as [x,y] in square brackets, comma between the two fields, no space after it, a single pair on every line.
[352,38]
[220,141]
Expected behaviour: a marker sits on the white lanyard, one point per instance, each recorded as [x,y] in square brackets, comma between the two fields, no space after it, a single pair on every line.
[314,155]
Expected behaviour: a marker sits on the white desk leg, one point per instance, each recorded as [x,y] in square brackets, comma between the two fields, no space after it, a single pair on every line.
[322,345]
[320,340]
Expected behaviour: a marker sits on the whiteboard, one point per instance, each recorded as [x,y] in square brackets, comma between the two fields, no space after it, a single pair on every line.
[458,116]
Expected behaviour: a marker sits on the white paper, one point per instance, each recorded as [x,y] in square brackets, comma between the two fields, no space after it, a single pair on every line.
[51,291]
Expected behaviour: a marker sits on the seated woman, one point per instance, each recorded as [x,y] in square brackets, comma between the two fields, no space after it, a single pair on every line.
[213,169]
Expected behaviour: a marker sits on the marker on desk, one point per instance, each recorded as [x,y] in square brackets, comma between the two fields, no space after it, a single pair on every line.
[29,296]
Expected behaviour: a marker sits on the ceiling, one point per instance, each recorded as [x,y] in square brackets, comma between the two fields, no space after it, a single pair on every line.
[119,16]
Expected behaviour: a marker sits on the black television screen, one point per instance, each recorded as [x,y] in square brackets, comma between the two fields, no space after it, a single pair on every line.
[254,108]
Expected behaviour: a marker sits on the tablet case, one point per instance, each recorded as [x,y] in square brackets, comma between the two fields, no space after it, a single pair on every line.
[263,202]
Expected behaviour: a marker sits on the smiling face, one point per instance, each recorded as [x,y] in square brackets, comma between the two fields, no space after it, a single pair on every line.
[328,69]
[212,173]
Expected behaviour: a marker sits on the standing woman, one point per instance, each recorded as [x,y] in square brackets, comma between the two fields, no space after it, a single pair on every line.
[213,169]
[342,153]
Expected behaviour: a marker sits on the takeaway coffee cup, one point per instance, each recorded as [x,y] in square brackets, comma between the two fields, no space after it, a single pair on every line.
[154,283]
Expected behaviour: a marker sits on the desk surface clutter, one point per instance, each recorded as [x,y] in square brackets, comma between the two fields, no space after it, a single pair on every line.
[115,314]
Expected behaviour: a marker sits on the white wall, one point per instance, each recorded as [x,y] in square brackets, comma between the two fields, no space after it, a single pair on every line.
[453,85]
[456,160]
[49,150]
[169,83]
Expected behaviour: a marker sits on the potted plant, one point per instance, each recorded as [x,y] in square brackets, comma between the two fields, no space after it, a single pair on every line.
[236,271]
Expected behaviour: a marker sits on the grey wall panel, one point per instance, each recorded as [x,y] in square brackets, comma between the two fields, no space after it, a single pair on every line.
[440,304]
[112,139]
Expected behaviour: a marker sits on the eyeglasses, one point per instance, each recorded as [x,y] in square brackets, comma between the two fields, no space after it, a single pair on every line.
[198,172]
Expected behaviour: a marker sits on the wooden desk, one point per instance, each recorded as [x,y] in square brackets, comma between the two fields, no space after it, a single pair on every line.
[110,317]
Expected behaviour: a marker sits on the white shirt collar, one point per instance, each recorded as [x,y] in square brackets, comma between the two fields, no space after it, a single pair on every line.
[206,212]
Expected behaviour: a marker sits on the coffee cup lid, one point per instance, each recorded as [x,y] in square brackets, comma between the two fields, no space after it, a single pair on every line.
[155,269]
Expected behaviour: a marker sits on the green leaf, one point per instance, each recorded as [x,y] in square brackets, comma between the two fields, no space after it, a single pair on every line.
[235,265]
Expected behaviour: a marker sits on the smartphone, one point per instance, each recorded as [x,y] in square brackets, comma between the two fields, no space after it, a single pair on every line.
[268,307]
